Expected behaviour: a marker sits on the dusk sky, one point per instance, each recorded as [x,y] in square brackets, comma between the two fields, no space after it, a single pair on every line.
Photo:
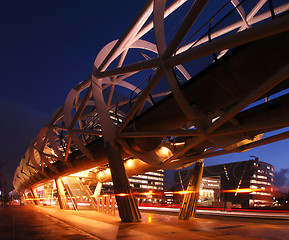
[47,47]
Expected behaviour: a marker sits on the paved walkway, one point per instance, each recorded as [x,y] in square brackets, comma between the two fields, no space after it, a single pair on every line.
[28,223]
[94,225]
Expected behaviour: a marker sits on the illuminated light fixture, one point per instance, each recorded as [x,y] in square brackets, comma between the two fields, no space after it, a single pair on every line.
[227,176]
[164,152]
[129,163]
[179,144]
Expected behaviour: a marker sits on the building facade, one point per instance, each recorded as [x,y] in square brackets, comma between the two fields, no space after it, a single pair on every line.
[249,183]
[210,190]
[147,187]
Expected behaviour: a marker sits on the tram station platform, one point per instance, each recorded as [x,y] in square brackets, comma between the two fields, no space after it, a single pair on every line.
[33,222]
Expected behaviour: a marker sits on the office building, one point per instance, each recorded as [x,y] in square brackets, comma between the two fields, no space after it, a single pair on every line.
[148,187]
[247,183]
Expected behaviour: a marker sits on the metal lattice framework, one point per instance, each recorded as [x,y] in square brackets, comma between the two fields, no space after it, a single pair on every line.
[145,96]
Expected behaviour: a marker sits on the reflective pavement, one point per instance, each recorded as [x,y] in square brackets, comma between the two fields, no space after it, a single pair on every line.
[28,223]
[32,222]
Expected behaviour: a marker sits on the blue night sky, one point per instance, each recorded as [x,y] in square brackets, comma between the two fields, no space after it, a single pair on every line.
[47,47]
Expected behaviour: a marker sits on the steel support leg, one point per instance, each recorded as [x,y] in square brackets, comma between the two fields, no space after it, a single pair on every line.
[95,197]
[190,201]
[97,190]
[127,207]
[22,199]
[35,197]
[61,194]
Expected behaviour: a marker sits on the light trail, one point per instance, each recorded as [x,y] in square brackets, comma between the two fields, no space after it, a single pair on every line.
[240,190]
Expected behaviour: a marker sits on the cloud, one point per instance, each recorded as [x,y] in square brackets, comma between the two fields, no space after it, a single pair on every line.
[281,180]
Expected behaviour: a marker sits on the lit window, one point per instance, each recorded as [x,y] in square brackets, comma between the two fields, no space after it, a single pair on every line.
[260,176]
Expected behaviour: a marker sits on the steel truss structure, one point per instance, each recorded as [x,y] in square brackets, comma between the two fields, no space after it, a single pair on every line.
[146,100]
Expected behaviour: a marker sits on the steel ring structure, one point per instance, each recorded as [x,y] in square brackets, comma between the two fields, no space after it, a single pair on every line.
[169,93]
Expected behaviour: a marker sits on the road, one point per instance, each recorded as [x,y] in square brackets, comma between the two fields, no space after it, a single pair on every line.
[43,223]
[280,217]
[260,218]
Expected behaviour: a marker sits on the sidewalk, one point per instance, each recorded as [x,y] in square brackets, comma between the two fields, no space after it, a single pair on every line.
[160,226]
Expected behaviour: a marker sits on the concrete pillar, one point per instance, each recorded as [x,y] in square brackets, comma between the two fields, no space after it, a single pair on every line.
[190,201]
[34,196]
[61,194]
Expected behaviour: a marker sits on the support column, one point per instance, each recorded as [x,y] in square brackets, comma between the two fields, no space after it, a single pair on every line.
[190,201]
[35,197]
[95,197]
[97,189]
[61,194]
[22,199]
[127,207]
[113,205]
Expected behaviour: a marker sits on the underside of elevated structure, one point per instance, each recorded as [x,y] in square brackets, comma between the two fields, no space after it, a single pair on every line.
[213,87]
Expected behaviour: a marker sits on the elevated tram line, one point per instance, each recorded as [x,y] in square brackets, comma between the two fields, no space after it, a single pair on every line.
[207,115]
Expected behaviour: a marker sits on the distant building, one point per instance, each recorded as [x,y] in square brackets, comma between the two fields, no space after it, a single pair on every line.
[151,183]
[249,183]
[169,197]
[210,190]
